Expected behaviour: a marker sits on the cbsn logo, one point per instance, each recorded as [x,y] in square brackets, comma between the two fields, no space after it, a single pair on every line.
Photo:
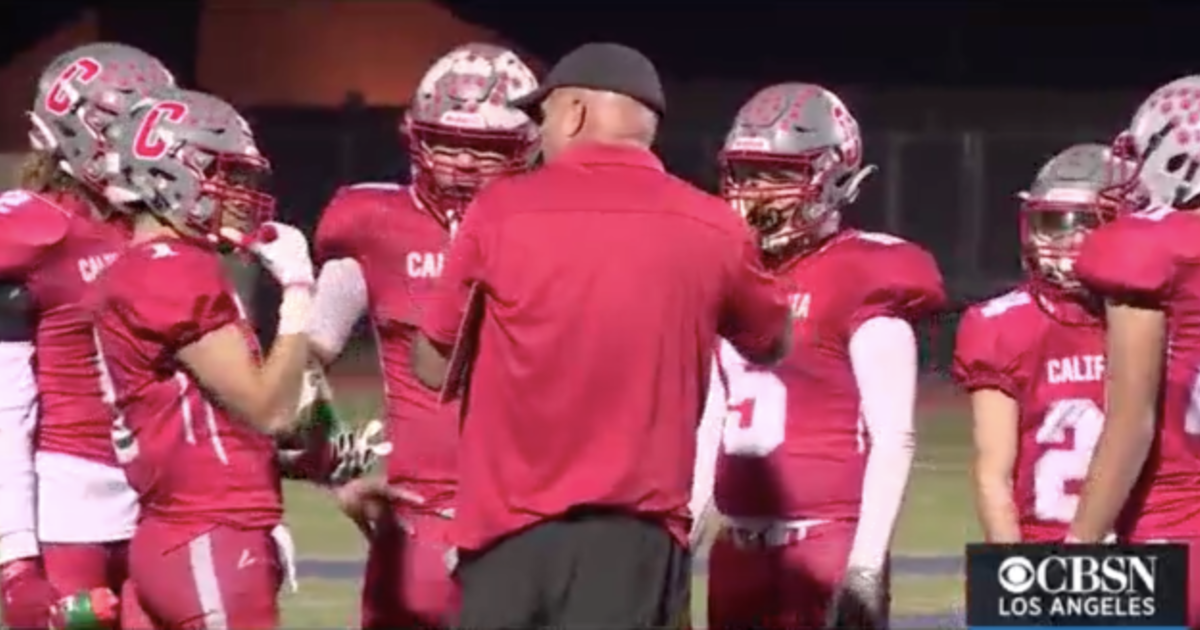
[1111,586]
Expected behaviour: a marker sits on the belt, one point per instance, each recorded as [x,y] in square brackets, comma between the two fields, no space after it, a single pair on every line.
[758,534]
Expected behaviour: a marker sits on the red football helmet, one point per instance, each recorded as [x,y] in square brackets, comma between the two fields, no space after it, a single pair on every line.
[461,131]
[791,162]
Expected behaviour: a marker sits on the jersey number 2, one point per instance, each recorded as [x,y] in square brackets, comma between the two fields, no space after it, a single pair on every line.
[1058,467]
[757,418]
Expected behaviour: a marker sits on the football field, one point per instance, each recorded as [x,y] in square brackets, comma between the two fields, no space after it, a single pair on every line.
[927,585]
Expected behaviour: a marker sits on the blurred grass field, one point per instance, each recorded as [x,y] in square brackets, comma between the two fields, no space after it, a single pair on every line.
[936,522]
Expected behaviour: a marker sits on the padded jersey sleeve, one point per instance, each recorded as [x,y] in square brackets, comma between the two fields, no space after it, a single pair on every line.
[896,279]
[174,294]
[983,357]
[345,223]
[29,226]
[1129,256]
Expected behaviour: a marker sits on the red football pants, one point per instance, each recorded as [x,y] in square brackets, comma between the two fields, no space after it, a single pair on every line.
[408,579]
[787,586]
[224,578]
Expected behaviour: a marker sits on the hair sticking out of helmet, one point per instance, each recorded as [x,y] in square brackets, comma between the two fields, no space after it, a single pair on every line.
[191,160]
[1064,204]
[461,131]
[790,163]
[80,95]
[1163,145]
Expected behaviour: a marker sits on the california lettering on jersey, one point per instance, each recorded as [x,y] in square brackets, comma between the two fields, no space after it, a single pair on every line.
[424,264]
[90,267]
[1087,368]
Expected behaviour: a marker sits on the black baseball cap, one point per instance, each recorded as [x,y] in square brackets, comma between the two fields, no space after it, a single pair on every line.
[602,66]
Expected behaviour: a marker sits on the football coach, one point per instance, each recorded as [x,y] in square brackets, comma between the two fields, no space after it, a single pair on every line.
[604,283]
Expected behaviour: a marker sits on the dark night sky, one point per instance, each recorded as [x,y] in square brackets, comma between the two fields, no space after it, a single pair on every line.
[1057,43]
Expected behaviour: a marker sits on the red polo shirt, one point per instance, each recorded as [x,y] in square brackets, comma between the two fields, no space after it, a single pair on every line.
[607,282]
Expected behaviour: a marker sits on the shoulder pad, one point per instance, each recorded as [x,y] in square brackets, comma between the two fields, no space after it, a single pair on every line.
[31,218]
[1001,304]
[16,313]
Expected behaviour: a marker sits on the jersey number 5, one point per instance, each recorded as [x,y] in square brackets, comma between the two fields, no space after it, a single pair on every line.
[1065,463]
[757,417]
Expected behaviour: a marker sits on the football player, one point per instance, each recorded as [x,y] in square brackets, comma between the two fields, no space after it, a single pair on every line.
[66,511]
[382,247]
[1144,478]
[839,408]
[1033,360]
[197,402]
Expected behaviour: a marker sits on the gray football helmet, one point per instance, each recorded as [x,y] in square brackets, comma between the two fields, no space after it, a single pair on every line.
[461,105]
[191,159]
[1163,144]
[791,162]
[1065,203]
[80,94]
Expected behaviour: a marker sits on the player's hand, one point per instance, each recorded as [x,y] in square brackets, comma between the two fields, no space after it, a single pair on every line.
[860,601]
[368,499]
[29,600]
[283,251]
[355,452]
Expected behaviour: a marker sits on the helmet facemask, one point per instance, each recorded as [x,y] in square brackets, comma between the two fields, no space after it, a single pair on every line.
[1053,232]
[451,165]
[792,202]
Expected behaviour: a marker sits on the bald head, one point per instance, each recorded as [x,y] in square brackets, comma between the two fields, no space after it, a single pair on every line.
[582,115]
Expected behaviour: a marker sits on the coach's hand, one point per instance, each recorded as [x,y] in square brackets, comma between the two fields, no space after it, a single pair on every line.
[368,499]
[859,602]
[28,598]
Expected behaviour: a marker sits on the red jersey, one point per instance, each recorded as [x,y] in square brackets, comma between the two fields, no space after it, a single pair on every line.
[1048,355]
[605,283]
[795,446]
[1154,255]
[55,249]
[191,463]
[400,249]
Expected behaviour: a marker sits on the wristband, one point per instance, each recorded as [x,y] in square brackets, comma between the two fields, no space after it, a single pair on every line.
[295,310]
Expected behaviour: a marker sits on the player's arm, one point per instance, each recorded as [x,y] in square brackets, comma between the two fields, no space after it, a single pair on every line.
[266,395]
[1136,345]
[883,357]
[755,317]
[340,301]
[708,443]
[18,418]
[995,416]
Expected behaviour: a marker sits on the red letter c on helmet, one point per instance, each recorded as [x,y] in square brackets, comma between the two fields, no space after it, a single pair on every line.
[85,70]
[147,145]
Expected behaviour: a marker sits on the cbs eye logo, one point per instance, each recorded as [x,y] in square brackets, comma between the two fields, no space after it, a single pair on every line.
[1016,575]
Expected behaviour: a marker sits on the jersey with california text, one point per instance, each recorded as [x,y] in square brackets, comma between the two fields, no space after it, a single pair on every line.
[794,444]
[52,247]
[1155,256]
[192,462]
[400,248]
[1047,354]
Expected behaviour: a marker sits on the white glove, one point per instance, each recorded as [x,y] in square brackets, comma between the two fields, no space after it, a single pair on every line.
[283,251]
[357,451]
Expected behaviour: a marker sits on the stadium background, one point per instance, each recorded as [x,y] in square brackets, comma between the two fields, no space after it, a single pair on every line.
[959,104]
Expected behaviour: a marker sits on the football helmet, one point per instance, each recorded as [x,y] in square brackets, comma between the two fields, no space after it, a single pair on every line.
[80,94]
[1162,144]
[460,130]
[191,159]
[791,162]
[1063,204]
